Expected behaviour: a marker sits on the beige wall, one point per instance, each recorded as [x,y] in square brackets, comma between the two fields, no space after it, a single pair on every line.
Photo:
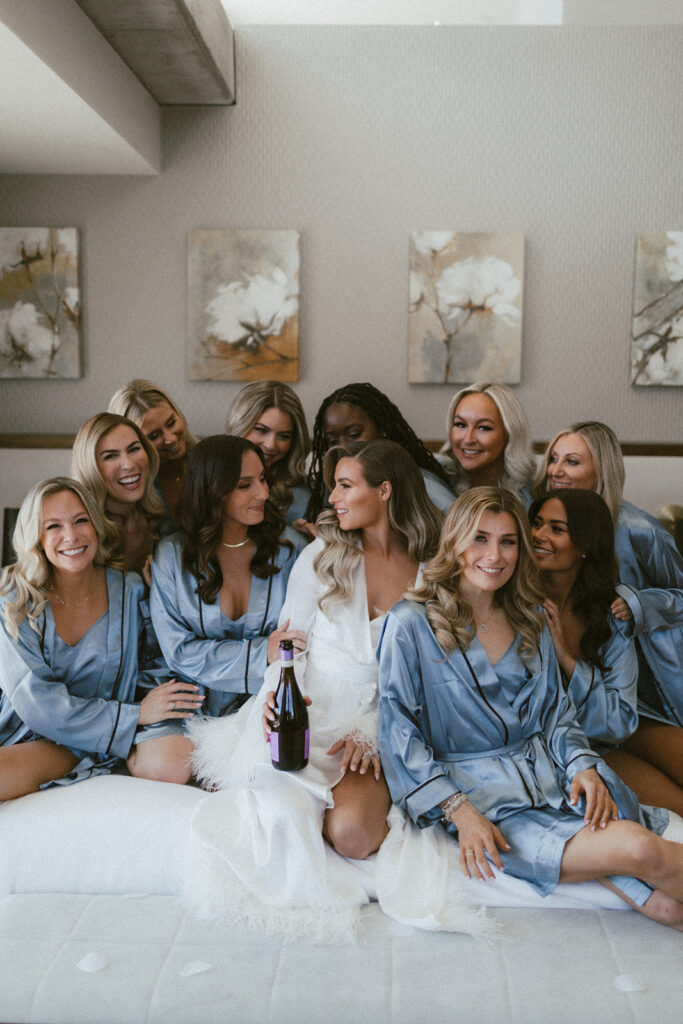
[354,136]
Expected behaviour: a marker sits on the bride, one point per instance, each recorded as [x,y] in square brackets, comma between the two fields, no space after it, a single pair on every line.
[268,845]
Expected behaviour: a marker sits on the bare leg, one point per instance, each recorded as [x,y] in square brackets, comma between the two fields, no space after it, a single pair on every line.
[650,785]
[357,824]
[626,848]
[659,907]
[165,759]
[660,745]
[25,767]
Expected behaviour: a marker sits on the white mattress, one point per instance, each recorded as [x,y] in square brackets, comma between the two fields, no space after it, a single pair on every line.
[89,876]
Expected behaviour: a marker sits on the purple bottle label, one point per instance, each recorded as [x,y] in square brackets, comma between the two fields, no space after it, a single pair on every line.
[286,655]
[307,736]
[275,746]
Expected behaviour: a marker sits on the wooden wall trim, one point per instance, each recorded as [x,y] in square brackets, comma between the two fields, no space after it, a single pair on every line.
[670,449]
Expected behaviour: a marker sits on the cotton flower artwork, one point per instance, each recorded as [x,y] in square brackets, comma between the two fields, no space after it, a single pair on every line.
[465,307]
[39,303]
[244,305]
[657,326]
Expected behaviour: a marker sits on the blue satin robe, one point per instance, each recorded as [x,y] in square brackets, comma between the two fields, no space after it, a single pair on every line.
[607,702]
[226,658]
[82,697]
[652,567]
[437,491]
[505,735]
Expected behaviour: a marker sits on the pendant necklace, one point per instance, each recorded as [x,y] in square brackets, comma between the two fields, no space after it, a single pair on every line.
[61,600]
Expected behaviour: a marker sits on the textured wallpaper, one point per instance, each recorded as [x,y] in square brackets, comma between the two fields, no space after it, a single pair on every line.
[355,136]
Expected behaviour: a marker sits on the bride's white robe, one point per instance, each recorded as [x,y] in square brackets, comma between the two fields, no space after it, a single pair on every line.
[258,852]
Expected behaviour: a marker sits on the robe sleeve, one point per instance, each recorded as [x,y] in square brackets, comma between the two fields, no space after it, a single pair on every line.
[647,552]
[232,666]
[45,705]
[606,702]
[564,737]
[416,781]
[653,608]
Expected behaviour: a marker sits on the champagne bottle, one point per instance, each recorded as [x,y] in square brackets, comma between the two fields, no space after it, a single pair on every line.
[289,735]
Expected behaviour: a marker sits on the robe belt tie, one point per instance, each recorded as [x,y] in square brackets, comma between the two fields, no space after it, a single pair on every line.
[468,755]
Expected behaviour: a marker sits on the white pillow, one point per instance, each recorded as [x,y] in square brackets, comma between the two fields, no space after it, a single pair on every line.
[108,834]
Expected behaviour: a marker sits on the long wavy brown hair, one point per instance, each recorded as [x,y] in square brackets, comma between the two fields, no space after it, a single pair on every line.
[213,471]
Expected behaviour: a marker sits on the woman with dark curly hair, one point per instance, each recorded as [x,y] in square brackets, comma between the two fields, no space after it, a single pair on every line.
[219,584]
[360,412]
[573,540]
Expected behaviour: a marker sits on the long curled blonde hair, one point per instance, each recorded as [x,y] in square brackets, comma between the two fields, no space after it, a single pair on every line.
[249,405]
[410,513]
[518,457]
[449,614]
[608,462]
[85,469]
[28,576]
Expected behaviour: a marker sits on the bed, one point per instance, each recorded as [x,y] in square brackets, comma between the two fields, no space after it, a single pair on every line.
[92,930]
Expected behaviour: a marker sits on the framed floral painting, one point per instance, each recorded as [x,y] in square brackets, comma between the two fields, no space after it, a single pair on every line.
[40,303]
[244,305]
[657,325]
[465,320]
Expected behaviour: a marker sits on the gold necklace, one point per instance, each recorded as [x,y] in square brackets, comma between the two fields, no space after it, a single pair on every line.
[61,600]
[240,545]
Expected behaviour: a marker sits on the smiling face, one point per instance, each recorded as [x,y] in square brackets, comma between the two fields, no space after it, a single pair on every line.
[553,546]
[67,535]
[490,560]
[571,464]
[345,422]
[123,464]
[272,433]
[167,432]
[478,436]
[245,504]
[357,504]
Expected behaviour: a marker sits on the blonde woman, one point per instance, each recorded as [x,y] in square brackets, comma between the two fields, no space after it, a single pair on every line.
[368,551]
[588,455]
[477,732]
[112,458]
[489,441]
[164,425]
[270,415]
[72,684]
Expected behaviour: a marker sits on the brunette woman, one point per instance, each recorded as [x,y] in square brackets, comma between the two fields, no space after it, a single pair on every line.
[165,427]
[71,675]
[270,414]
[587,455]
[219,584]
[573,540]
[477,731]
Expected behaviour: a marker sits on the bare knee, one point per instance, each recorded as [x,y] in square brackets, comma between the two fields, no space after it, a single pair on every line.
[645,851]
[160,765]
[353,835]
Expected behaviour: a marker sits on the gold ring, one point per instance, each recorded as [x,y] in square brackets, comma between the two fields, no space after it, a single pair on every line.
[173,706]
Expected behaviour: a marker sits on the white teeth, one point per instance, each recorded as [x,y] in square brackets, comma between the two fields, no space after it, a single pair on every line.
[127,481]
[72,551]
[543,551]
[490,572]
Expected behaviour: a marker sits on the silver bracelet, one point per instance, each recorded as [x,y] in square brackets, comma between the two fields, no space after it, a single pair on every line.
[454,801]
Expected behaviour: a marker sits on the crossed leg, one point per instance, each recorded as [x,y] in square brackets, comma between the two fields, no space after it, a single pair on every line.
[25,767]
[357,824]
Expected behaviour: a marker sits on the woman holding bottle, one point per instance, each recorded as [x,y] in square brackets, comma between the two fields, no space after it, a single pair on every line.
[368,550]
